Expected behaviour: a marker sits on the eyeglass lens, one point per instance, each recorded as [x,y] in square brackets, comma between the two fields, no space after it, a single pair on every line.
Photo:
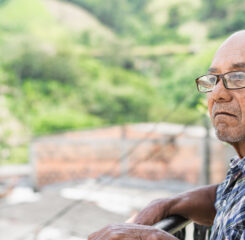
[206,83]
[233,80]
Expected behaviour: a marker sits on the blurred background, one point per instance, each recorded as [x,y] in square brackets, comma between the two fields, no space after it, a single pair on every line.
[99,112]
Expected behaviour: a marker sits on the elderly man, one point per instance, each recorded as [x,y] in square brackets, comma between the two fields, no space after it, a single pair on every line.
[223,205]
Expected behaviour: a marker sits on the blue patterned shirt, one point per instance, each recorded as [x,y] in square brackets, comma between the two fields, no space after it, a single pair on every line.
[229,223]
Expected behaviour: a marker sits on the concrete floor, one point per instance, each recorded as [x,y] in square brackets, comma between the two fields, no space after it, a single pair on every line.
[23,212]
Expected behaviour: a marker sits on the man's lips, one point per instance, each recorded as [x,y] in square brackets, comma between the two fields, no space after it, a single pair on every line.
[224,113]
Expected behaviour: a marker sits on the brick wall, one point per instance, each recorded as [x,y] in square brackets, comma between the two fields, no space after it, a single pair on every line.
[164,152]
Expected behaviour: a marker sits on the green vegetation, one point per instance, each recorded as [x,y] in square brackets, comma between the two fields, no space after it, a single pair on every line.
[223,17]
[133,61]
[122,16]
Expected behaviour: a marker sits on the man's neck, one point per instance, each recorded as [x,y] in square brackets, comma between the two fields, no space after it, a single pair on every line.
[240,148]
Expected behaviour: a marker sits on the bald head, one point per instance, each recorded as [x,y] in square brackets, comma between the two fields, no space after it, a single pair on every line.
[235,38]
[230,55]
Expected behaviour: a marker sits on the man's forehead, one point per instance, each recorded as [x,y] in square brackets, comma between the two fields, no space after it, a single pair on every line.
[228,59]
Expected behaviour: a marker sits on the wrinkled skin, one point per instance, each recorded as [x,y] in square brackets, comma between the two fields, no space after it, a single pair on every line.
[130,232]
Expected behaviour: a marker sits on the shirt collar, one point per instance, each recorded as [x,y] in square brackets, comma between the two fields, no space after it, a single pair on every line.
[237,164]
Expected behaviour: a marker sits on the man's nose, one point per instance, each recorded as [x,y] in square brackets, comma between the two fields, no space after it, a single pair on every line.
[220,93]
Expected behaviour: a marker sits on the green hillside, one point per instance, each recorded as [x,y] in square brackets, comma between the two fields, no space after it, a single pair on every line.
[78,64]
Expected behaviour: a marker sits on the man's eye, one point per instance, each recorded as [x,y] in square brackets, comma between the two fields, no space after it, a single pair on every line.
[236,80]
[237,76]
[212,80]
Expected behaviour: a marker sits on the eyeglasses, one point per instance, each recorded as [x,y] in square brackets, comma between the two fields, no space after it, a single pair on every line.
[231,80]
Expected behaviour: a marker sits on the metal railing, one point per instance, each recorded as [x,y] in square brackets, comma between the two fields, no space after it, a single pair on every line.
[176,225]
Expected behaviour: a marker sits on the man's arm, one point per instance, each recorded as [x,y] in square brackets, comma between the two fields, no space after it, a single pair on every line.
[197,205]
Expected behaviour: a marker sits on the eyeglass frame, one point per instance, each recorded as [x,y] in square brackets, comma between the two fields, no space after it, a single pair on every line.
[219,76]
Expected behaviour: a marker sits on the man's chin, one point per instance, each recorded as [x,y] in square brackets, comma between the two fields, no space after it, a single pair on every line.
[225,138]
[229,136]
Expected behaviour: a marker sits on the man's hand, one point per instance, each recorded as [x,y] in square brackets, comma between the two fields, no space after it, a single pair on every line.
[130,232]
[154,212]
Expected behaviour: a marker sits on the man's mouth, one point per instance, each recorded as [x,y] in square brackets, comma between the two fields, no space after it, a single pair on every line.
[224,114]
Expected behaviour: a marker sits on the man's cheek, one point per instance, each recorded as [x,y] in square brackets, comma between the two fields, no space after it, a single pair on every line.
[210,107]
[208,98]
[242,105]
